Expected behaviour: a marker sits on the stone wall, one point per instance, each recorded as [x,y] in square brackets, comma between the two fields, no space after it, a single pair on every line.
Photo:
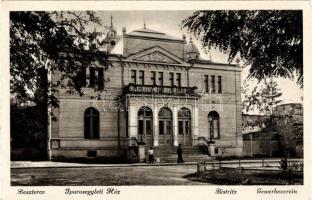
[285,127]
[261,144]
[288,121]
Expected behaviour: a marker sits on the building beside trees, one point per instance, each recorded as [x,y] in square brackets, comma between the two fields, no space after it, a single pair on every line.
[111,93]
[157,91]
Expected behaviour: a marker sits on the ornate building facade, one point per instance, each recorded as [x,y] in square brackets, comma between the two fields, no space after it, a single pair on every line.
[159,92]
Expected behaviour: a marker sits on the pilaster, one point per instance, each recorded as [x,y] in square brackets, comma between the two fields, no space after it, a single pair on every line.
[155,124]
[195,122]
[175,126]
[132,122]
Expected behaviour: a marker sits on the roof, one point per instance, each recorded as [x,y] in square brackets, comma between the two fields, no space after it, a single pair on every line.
[145,32]
[202,61]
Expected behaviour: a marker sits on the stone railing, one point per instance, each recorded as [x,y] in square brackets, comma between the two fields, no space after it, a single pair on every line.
[155,89]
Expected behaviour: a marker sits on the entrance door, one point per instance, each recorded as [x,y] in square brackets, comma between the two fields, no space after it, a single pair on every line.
[184,127]
[165,126]
[145,126]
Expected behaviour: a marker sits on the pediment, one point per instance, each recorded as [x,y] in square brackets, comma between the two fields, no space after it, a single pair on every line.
[156,55]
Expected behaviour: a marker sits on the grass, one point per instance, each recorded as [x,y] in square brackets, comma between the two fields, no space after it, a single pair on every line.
[236,177]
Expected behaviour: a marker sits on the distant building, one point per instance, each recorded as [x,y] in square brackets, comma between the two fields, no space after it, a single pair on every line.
[161,92]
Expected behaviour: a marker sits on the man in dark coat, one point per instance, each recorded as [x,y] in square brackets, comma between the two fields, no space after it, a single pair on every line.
[179,152]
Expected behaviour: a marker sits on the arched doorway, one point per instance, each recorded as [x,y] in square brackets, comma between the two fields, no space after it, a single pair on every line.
[165,126]
[184,127]
[213,125]
[145,125]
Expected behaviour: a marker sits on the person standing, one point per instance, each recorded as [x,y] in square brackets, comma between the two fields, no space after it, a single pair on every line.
[151,155]
[179,152]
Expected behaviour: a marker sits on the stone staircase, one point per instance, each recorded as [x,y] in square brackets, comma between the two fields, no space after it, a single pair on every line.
[168,154]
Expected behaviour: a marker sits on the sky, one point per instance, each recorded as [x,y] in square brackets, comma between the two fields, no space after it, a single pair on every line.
[169,22]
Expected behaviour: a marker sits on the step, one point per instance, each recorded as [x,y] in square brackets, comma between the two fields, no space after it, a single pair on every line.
[190,148]
[185,158]
[174,151]
[169,153]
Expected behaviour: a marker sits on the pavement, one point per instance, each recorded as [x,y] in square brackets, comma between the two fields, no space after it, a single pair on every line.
[45,173]
[116,175]
[53,164]
[235,162]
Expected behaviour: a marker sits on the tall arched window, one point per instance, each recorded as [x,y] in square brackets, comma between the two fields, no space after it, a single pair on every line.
[184,121]
[214,125]
[165,121]
[145,123]
[91,123]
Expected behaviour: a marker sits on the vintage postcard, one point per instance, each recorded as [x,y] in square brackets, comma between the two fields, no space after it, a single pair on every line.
[135,100]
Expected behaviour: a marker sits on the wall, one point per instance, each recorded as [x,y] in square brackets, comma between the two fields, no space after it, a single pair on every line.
[261,144]
[286,121]
[227,104]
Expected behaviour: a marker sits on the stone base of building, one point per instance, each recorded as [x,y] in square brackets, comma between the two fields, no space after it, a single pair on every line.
[74,153]
[224,152]
[131,154]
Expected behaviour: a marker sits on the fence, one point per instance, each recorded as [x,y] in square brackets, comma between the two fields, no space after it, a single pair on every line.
[242,169]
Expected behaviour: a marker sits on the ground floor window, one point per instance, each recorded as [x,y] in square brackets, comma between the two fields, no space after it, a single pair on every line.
[165,121]
[91,123]
[214,125]
[184,121]
[145,122]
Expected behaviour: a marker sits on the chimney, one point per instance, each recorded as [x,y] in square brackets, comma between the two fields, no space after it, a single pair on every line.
[124,31]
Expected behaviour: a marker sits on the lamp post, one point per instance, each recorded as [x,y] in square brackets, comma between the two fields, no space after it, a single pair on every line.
[211,143]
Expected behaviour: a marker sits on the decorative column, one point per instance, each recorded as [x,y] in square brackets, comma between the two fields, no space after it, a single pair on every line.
[175,126]
[195,122]
[132,122]
[155,124]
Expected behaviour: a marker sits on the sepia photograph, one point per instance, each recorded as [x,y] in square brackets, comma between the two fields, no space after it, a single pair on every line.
[156,98]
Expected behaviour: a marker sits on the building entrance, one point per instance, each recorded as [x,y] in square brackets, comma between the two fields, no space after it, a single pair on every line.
[145,125]
[165,126]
